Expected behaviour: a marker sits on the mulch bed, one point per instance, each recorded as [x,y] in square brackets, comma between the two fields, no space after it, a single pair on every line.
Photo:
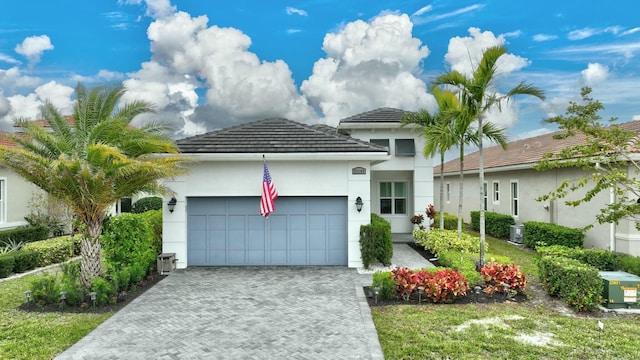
[471,297]
[131,295]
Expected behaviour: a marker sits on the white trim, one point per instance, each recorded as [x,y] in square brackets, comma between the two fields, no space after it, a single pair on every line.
[627,237]
[13,224]
[513,199]
[485,195]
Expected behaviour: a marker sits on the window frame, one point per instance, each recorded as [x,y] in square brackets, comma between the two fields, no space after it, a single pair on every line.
[448,192]
[515,198]
[406,144]
[393,198]
[496,192]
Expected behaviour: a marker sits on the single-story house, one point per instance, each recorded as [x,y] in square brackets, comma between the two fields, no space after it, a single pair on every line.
[319,171]
[15,194]
[512,185]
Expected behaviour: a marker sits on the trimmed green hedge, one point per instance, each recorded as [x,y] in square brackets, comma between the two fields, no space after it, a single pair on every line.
[24,234]
[25,260]
[375,242]
[536,233]
[147,204]
[55,250]
[629,263]
[577,284]
[450,221]
[601,259]
[437,241]
[6,264]
[496,225]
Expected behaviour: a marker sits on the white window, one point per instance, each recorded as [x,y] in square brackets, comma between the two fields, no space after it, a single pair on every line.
[447,191]
[496,192]
[484,196]
[515,199]
[3,192]
[393,197]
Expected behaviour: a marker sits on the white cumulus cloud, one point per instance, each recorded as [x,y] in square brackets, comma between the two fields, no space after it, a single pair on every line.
[595,73]
[28,106]
[33,47]
[291,11]
[369,65]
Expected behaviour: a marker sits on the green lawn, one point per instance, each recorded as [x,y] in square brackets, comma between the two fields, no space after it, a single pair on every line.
[502,331]
[31,335]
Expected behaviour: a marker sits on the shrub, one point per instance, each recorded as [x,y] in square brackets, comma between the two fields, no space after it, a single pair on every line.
[375,242]
[466,263]
[104,291]
[496,225]
[24,234]
[154,219]
[629,263]
[539,233]
[444,285]
[437,241]
[441,285]
[25,260]
[450,221]
[383,280]
[128,241]
[147,203]
[601,259]
[55,250]
[497,275]
[6,264]
[575,283]
[47,288]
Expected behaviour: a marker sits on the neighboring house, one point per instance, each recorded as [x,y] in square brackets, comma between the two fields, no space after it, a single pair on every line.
[15,194]
[319,174]
[512,186]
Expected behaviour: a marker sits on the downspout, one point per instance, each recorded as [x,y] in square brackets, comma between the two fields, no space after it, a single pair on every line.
[612,225]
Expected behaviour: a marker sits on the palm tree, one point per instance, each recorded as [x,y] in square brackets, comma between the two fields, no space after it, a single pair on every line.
[92,160]
[477,98]
[438,131]
[467,135]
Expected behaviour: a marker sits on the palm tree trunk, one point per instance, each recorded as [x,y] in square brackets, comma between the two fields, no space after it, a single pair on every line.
[461,191]
[481,175]
[91,252]
[441,214]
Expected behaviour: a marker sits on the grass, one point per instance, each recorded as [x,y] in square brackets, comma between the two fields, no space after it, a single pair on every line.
[502,331]
[499,331]
[33,335]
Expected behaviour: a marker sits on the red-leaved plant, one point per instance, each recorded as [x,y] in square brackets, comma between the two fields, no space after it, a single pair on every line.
[442,286]
[431,214]
[497,275]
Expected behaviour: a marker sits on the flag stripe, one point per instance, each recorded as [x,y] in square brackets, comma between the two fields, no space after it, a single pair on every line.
[269,193]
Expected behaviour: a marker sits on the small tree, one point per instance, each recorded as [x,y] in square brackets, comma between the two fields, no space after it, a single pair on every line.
[605,153]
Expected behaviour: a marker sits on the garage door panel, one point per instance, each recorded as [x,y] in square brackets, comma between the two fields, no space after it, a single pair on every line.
[302,231]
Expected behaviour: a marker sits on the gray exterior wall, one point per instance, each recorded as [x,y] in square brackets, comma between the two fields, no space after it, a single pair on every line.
[532,184]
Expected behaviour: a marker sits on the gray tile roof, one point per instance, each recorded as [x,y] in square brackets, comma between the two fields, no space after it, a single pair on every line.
[275,135]
[380,115]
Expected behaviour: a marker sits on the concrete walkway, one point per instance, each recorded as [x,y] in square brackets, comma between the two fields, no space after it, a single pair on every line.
[241,313]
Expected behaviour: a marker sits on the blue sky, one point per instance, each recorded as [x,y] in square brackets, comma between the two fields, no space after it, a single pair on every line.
[210,64]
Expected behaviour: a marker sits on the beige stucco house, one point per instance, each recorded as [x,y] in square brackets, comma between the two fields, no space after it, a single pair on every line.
[512,186]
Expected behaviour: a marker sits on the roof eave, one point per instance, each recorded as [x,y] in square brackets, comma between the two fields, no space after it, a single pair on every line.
[375,157]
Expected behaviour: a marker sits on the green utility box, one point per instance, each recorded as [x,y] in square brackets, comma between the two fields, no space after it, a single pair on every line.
[620,290]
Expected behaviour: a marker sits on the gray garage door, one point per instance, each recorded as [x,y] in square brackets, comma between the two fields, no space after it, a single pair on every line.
[302,231]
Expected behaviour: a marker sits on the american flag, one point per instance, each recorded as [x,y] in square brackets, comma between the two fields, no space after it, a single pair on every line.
[269,193]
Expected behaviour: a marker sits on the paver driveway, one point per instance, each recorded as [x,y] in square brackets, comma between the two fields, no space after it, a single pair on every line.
[241,313]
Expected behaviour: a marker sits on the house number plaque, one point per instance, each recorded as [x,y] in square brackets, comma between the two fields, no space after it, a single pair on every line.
[359,171]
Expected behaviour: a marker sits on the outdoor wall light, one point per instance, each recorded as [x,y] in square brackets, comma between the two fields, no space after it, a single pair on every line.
[359,203]
[172,204]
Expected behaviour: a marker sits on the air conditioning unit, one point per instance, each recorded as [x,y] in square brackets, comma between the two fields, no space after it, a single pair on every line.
[516,234]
